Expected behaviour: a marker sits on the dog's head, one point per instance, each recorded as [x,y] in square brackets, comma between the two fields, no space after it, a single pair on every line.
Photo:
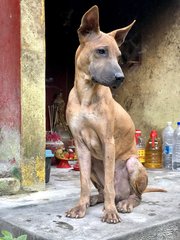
[101,54]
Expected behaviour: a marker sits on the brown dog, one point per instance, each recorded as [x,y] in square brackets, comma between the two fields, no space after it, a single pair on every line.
[102,129]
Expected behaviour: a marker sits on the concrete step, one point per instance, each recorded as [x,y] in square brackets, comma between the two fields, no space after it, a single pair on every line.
[41,215]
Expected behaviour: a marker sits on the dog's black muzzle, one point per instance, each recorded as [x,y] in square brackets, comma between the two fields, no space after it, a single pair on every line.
[113,82]
[119,78]
[109,74]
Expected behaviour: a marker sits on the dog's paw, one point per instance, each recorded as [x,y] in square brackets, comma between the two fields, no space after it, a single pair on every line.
[76,212]
[125,206]
[111,216]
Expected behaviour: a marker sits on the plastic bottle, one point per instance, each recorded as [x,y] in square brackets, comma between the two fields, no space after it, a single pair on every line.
[167,147]
[140,144]
[153,151]
[176,149]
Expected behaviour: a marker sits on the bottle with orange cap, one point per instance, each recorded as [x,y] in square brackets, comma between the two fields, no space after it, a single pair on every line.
[140,144]
[153,151]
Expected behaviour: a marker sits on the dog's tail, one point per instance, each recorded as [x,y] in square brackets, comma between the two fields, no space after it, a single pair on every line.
[149,189]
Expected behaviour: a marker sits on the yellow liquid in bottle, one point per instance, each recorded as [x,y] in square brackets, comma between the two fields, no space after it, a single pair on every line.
[141,154]
[153,154]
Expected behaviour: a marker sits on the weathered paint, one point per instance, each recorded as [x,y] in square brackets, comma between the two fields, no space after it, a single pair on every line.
[9,85]
[10,145]
[33,174]
[10,64]
[22,94]
[32,95]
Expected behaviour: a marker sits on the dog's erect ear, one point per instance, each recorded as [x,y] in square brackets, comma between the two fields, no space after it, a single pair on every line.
[89,24]
[120,34]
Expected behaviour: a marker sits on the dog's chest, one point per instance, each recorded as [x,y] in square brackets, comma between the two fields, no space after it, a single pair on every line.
[86,126]
[82,120]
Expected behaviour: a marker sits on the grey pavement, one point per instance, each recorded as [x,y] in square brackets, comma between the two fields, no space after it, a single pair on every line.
[41,215]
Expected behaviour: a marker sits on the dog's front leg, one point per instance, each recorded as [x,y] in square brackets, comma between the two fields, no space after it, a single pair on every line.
[110,213]
[84,158]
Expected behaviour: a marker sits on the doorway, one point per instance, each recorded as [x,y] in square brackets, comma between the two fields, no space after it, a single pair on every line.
[62,19]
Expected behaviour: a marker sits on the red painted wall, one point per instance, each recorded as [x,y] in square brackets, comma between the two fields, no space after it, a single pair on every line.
[10,63]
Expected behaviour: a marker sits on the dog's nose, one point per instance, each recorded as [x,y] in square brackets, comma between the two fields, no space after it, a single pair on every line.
[119,77]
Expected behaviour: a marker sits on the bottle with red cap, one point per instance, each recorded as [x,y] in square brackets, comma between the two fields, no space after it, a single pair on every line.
[140,144]
[153,151]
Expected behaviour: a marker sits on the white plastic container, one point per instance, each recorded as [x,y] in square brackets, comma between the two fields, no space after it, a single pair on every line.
[176,149]
[167,146]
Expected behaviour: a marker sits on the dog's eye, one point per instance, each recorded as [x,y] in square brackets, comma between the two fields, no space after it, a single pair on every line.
[101,51]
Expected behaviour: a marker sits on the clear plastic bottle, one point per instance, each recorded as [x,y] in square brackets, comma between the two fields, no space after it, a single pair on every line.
[167,138]
[176,149]
[153,151]
[140,144]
